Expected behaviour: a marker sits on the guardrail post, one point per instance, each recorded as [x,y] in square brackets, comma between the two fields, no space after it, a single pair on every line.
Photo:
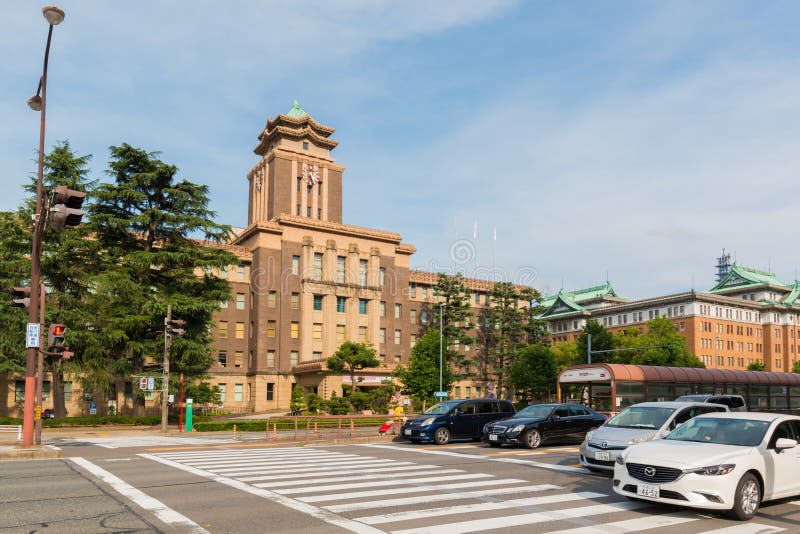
[295,427]
[352,427]
[339,433]
[308,424]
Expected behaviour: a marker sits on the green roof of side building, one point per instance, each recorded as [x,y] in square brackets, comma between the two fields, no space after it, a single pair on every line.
[740,277]
[569,302]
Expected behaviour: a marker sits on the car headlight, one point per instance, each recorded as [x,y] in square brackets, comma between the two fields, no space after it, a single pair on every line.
[721,469]
[428,421]
[589,435]
[640,439]
[485,428]
[620,460]
[518,428]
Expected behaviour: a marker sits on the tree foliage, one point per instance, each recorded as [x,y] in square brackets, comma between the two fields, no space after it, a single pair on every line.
[534,372]
[758,365]
[352,357]
[601,340]
[420,379]
[456,319]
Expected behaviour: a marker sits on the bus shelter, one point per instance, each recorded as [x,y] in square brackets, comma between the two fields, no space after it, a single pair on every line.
[611,387]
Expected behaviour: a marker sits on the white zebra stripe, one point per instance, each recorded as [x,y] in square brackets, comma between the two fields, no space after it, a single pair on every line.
[377,483]
[458,485]
[335,471]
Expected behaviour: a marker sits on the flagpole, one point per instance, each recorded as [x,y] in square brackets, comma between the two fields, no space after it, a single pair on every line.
[494,251]
[475,249]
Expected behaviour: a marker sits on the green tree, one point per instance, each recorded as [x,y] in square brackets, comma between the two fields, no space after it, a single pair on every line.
[352,357]
[456,320]
[666,346]
[796,367]
[297,402]
[421,378]
[510,329]
[758,365]
[601,340]
[565,354]
[534,373]
[144,223]
[15,268]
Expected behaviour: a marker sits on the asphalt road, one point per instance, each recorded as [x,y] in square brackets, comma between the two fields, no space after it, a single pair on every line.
[150,484]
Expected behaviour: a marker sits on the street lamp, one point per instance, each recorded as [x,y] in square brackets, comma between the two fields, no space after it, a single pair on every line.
[37,102]
[441,341]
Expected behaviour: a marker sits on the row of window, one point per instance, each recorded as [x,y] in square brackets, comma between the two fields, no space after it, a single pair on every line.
[730,313]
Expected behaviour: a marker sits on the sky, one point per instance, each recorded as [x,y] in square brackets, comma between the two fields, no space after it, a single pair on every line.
[628,141]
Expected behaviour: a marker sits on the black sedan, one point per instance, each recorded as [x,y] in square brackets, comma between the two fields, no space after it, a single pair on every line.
[535,424]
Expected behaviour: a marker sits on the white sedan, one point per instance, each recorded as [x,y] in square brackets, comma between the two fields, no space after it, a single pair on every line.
[721,461]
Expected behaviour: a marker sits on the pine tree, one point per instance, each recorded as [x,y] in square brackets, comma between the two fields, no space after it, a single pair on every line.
[456,319]
[145,223]
[350,358]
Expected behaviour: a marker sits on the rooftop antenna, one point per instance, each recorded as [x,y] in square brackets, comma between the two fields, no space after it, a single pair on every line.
[692,281]
[723,265]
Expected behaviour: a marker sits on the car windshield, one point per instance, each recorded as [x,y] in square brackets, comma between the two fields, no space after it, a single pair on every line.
[692,398]
[641,417]
[441,408]
[537,411]
[743,432]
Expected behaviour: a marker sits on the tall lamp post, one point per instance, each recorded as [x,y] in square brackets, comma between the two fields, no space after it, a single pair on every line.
[441,341]
[37,102]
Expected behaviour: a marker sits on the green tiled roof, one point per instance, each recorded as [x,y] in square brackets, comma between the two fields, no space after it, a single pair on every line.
[740,277]
[791,298]
[582,295]
[296,112]
[562,304]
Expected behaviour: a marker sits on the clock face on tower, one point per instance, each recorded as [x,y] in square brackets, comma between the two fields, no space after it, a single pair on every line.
[310,173]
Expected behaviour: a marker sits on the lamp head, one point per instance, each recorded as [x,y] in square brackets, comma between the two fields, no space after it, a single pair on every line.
[35,103]
[53,14]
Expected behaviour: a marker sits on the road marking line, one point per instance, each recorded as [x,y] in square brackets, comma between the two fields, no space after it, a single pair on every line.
[331,471]
[380,483]
[554,467]
[258,453]
[395,491]
[299,444]
[514,453]
[496,523]
[481,507]
[399,476]
[313,511]
[747,528]
[268,459]
[159,509]
[269,466]
[402,501]
[340,465]
[638,524]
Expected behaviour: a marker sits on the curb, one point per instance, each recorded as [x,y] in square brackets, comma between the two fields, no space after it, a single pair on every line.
[28,453]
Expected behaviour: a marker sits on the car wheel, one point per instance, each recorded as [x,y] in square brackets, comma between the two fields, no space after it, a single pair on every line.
[531,439]
[442,436]
[748,498]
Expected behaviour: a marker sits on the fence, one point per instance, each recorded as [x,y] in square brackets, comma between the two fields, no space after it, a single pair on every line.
[317,428]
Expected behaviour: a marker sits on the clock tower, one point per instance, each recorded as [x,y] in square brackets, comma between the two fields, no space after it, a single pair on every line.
[296,174]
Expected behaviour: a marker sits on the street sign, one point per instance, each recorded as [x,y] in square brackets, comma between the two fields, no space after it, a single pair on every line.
[151,383]
[143,383]
[32,335]
[93,408]
[440,394]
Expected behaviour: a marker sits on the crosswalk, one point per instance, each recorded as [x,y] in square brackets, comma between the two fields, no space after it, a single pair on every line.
[368,494]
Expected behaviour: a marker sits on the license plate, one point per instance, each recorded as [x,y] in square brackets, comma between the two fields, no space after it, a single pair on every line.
[407,432]
[492,437]
[648,490]
[604,456]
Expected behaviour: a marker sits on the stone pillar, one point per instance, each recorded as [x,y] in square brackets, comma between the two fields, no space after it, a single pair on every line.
[306,300]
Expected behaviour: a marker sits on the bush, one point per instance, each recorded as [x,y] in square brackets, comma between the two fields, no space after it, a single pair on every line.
[314,403]
[94,420]
[338,405]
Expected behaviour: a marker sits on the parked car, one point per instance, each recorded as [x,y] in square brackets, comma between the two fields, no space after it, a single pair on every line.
[635,424]
[539,423]
[455,419]
[48,414]
[720,461]
[734,402]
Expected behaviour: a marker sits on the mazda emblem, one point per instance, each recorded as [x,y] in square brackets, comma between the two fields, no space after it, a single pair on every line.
[650,471]
[604,444]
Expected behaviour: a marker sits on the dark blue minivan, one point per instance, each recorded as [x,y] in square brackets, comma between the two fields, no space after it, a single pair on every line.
[455,419]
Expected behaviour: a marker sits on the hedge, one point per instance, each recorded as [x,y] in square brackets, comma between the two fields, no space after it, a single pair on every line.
[94,420]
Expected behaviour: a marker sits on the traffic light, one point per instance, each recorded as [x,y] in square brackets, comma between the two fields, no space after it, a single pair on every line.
[55,337]
[176,327]
[65,209]
[23,296]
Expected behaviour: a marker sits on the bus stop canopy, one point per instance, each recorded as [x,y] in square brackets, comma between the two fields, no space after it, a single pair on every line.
[606,372]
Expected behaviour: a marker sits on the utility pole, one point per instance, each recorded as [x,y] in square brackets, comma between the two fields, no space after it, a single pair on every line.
[441,341]
[589,348]
[37,427]
[165,378]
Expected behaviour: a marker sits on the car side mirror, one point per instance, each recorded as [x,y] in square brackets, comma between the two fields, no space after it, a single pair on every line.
[664,433]
[555,417]
[457,412]
[785,443]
